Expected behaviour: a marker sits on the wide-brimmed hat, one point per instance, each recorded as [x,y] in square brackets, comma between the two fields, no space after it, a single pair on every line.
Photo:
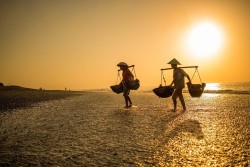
[174,61]
[122,64]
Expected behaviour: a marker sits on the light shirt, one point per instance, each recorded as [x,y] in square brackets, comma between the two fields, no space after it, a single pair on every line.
[179,81]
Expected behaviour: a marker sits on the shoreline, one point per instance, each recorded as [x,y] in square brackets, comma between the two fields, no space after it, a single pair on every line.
[13,97]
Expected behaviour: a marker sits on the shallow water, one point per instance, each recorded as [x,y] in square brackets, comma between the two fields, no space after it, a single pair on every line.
[93,129]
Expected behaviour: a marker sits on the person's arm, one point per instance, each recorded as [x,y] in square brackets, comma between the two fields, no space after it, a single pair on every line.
[186,75]
[172,83]
[189,78]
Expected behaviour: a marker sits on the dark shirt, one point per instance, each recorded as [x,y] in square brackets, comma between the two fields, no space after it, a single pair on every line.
[127,75]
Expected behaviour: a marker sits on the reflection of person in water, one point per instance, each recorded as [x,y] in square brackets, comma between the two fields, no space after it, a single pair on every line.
[179,83]
[126,77]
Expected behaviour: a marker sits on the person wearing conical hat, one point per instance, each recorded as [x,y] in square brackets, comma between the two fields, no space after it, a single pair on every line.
[179,83]
[126,77]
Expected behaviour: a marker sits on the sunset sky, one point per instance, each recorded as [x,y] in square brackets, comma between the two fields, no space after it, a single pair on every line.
[78,43]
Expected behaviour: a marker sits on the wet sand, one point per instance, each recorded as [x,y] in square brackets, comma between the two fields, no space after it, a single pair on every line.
[18,98]
[93,129]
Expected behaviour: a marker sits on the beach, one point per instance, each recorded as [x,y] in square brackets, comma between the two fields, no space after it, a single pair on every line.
[93,129]
[12,98]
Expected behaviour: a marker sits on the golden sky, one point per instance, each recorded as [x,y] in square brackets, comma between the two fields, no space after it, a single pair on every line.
[77,43]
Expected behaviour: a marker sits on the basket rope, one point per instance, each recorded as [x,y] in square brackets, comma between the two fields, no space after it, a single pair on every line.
[163,78]
[133,70]
[118,75]
[196,70]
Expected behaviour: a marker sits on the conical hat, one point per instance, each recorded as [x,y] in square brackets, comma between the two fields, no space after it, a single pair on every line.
[174,61]
[122,64]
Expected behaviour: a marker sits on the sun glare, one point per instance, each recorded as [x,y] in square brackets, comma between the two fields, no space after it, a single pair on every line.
[205,39]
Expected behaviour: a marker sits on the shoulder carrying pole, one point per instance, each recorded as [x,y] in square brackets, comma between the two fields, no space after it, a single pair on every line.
[179,67]
[133,70]
[128,67]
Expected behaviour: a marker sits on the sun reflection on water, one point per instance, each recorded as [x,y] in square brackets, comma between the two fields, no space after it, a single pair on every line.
[210,95]
[213,86]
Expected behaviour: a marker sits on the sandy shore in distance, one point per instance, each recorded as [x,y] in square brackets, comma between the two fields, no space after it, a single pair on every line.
[16,98]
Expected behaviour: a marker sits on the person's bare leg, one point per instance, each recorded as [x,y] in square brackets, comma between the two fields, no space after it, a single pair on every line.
[182,100]
[130,102]
[175,104]
[174,97]
[126,101]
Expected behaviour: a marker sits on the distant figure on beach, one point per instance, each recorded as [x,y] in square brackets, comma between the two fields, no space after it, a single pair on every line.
[179,83]
[126,76]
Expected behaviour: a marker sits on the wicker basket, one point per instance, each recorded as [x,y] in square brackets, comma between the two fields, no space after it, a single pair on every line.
[117,88]
[134,85]
[164,91]
[196,90]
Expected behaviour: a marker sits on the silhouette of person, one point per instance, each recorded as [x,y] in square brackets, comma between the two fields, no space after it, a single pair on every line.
[126,77]
[179,83]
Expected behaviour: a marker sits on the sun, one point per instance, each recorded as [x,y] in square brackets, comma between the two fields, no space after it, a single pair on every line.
[204,39]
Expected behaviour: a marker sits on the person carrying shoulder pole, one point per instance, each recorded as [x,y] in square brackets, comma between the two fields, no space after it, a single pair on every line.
[179,83]
[126,77]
